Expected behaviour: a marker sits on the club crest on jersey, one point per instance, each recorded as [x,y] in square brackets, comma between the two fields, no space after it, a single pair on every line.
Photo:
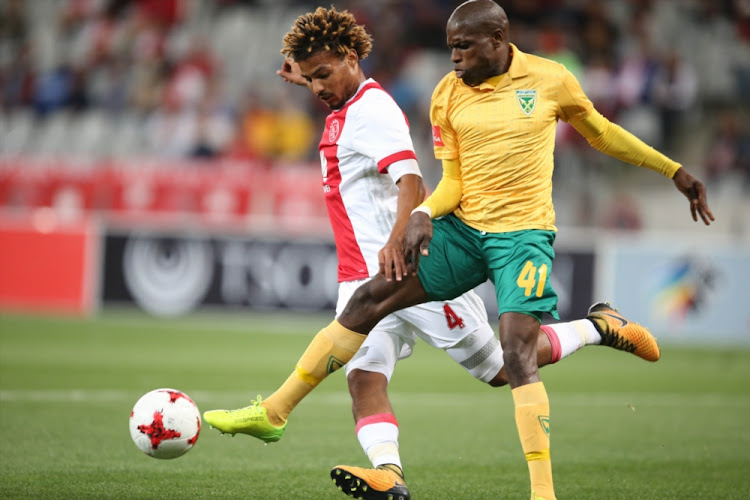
[527,100]
[333,130]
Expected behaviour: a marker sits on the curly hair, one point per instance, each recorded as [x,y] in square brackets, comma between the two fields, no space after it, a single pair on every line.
[328,30]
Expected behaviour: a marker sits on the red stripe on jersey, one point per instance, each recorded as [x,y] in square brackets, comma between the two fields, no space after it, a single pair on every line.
[352,264]
[390,159]
[378,418]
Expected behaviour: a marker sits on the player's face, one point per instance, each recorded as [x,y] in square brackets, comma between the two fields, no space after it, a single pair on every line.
[475,56]
[330,77]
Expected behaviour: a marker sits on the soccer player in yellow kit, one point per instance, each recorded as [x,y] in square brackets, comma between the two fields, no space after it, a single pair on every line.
[494,119]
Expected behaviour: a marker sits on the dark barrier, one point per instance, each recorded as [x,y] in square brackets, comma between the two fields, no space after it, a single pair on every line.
[169,275]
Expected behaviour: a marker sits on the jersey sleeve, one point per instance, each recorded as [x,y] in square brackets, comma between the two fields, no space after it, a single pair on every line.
[382,131]
[615,141]
[573,105]
[606,136]
[443,136]
[447,195]
[400,168]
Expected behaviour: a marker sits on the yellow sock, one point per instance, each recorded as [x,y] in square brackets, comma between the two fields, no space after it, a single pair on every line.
[532,420]
[331,349]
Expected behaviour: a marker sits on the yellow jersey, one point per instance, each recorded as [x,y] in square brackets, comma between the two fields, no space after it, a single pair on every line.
[502,132]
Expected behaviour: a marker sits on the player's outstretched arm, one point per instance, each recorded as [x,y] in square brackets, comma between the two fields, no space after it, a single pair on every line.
[291,73]
[613,140]
[695,191]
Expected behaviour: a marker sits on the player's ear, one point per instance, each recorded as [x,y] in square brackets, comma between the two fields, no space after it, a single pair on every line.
[352,57]
[498,37]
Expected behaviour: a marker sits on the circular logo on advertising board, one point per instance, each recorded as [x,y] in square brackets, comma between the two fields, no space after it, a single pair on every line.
[167,276]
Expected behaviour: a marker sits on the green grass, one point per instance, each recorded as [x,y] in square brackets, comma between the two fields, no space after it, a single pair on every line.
[621,428]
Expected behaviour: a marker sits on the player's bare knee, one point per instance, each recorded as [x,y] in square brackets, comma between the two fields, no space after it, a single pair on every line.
[355,379]
[520,364]
[514,361]
[362,299]
[362,310]
[363,383]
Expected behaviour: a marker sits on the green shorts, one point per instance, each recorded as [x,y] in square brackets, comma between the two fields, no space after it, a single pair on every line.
[518,263]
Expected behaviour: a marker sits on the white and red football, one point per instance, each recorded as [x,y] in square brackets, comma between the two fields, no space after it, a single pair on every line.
[165,423]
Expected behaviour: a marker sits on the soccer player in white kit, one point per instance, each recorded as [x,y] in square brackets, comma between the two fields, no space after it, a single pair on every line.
[371,183]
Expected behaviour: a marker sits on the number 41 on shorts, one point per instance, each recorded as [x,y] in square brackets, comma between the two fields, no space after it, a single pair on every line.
[528,279]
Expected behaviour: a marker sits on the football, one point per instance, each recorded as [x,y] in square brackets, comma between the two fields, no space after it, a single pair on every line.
[165,423]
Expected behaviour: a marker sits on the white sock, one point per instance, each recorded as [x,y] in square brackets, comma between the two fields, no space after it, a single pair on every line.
[570,337]
[378,435]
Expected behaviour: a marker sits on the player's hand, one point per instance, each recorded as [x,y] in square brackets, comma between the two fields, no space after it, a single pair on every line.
[417,239]
[291,73]
[695,191]
[391,260]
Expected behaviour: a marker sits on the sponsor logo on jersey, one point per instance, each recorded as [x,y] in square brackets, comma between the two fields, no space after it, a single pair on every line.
[437,137]
[527,100]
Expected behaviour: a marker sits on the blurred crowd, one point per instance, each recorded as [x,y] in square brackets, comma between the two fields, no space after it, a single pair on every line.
[195,78]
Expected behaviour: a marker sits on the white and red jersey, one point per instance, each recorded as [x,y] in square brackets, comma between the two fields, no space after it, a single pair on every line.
[362,142]
[364,151]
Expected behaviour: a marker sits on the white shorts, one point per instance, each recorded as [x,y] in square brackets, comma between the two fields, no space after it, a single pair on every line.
[457,326]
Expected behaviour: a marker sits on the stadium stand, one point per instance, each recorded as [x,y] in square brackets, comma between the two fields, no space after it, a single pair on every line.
[191,80]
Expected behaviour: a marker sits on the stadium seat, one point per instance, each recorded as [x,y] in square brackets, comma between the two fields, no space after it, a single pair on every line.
[16,129]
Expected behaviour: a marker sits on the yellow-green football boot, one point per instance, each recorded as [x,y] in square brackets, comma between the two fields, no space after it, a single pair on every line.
[251,420]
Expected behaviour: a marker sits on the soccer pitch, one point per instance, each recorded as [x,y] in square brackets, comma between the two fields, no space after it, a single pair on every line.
[622,428]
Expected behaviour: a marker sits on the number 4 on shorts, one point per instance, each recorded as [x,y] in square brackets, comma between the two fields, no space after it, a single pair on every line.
[453,319]
[527,279]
